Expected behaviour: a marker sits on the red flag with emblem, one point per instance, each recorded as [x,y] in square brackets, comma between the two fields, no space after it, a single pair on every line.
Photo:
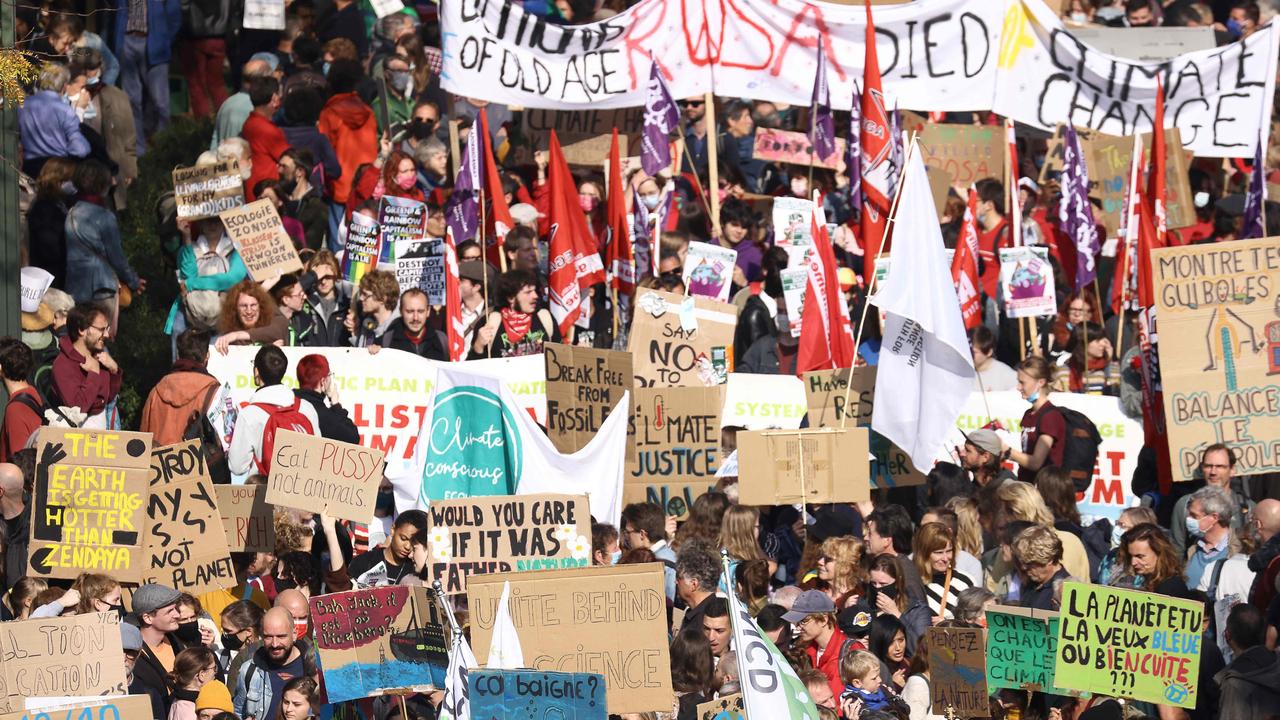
[620,256]
[964,266]
[876,147]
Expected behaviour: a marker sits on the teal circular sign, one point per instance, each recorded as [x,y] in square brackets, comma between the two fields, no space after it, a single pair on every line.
[473,446]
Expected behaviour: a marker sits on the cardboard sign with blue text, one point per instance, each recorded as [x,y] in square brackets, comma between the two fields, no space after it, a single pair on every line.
[534,694]
[677,438]
[115,707]
[832,402]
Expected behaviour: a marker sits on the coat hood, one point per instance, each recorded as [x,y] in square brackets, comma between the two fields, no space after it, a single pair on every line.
[349,108]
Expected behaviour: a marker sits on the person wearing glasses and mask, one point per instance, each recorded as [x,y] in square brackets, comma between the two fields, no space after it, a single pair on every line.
[328,300]
[1217,466]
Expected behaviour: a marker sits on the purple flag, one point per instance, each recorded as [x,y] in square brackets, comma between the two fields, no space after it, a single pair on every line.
[853,151]
[661,118]
[640,233]
[823,129]
[1254,199]
[897,154]
[1075,213]
[462,212]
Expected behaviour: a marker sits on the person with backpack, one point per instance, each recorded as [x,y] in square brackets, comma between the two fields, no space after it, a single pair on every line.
[1044,429]
[272,407]
[208,267]
[85,376]
[183,393]
[25,412]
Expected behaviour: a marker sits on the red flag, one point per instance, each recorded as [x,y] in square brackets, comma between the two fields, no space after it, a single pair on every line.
[964,266]
[876,147]
[1156,196]
[620,256]
[826,331]
[1123,283]
[499,222]
[574,262]
[1152,234]
[453,300]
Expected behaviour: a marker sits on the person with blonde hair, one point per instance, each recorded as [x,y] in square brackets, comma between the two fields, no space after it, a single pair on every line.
[740,537]
[840,566]
[1021,501]
[1044,429]
[90,593]
[934,553]
[1038,554]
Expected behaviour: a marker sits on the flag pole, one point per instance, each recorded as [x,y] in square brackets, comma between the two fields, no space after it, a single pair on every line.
[866,304]
[713,162]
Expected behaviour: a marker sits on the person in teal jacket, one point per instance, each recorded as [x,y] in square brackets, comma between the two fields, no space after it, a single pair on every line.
[208,263]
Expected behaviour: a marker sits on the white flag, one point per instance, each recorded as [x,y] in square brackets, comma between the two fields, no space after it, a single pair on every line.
[457,702]
[504,648]
[925,370]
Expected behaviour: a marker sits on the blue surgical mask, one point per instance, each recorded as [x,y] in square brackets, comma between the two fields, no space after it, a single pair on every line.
[651,201]
[1033,397]
[92,80]
[324,68]
[1234,29]
[614,557]
[1117,532]
[1193,526]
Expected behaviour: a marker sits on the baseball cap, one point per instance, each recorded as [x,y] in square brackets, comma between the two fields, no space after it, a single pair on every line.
[985,440]
[809,603]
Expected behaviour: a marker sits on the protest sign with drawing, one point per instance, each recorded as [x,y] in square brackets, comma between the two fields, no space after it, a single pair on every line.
[677,439]
[380,639]
[681,342]
[1026,279]
[795,284]
[826,392]
[399,219]
[957,676]
[186,545]
[583,386]
[814,465]
[76,656]
[205,191]
[793,231]
[708,270]
[725,707]
[610,620]
[89,503]
[508,533]
[420,264]
[259,237]
[537,694]
[246,518]
[363,245]
[314,473]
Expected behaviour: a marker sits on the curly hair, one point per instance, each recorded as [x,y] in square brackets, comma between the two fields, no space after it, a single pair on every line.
[844,557]
[229,318]
[383,286]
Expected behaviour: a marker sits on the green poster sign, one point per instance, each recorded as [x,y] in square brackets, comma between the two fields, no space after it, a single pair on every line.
[1022,645]
[1127,643]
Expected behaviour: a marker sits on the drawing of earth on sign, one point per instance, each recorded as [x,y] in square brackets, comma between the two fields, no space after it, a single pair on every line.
[1028,280]
[475,446]
[707,278]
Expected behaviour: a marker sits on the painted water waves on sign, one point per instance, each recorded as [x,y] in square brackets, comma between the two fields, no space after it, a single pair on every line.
[677,438]
[503,534]
[537,695]
[380,639]
[957,678]
[186,546]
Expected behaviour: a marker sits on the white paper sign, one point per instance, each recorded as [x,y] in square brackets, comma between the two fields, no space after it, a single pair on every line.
[764,402]
[264,14]
[708,270]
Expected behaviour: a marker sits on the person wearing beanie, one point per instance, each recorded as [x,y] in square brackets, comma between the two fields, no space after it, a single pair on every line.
[214,698]
[316,386]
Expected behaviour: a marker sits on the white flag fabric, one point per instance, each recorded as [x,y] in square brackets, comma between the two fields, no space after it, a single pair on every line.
[504,648]
[457,700]
[925,370]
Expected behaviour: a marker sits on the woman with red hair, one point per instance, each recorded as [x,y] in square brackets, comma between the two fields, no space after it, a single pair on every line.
[397,177]
[316,385]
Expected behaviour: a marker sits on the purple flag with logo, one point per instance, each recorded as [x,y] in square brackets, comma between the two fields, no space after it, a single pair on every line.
[462,212]
[853,151]
[661,118]
[1254,200]
[823,130]
[1075,213]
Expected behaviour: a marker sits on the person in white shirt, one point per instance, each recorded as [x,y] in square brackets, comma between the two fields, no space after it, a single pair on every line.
[992,374]
[246,454]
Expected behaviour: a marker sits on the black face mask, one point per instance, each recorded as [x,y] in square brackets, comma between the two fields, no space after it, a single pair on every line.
[117,609]
[286,187]
[889,591]
[189,633]
[232,642]
[421,130]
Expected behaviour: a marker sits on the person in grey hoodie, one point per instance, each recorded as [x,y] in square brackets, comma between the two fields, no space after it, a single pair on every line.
[1250,685]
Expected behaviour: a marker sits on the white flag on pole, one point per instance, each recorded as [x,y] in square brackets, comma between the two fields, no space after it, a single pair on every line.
[504,648]
[457,701]
[925,370]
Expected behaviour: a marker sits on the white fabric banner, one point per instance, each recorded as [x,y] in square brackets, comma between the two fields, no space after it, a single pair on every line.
[1220,99]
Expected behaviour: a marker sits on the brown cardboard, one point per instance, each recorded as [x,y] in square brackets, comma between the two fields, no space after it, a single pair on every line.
[202,192]
[71,656]
[118,707]
[583,386]
[89,503]
[815,465]
[585,135]
[186,545]
[605,619]
[1107,159]
[725,707]
[1180,211]
[677,438]
[826,391]
[967,153]
[246,518]
[666,355]
[939,188]
[507,533]
[259,237]
[324,476]
[958,671]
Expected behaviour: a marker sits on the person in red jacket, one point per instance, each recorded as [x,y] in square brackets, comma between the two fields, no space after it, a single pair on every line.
[814,618]
[266,141]
[85,376]
[398,177]
[22,414]
[350,126]
[185,390]
[993,232]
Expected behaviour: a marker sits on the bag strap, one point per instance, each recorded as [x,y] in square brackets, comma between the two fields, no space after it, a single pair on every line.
[1215,577]
[204,406]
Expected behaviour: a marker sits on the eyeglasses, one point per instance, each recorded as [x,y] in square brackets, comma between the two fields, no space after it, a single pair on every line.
[365,294]
[101,328]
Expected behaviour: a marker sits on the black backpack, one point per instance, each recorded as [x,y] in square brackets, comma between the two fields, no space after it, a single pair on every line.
[1080,453]
[199,428]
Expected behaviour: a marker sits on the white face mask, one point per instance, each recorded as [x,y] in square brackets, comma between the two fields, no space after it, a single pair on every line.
[1079,17]
[651,201]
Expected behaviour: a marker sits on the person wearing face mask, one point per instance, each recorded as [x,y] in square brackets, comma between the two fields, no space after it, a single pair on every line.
[302,200]
[605,546]
[1109,567]
[241,635]
[266,141]
[1138,13]
[396,106]
[108,113]
[1208,524]
[1244,20]
[47,124]
[398,178]
[1044,430]
[1217,468]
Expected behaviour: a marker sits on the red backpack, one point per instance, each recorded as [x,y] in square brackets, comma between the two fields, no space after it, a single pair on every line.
[279,417]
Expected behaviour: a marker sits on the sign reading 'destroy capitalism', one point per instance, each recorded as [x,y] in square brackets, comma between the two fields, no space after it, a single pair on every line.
[1218,311]
[205,191]
[534,694]
[1126,643]
[583,386]
[610,620]
[472,536]
[259,237]
[89,503]
[74,656]
[826,392]
[324,476]
[681,341]
[186,546]
[677,438]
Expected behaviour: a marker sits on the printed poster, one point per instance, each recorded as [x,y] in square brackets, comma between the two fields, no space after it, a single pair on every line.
[708,270]
[420,264]
[399,219]
[795,284]
[362,248]
[1026,281]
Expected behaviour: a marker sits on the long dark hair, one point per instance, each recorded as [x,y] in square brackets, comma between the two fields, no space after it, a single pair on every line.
[691,665]
[883,629]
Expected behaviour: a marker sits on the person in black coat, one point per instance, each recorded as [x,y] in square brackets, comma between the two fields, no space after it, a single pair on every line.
[411,333]
[315,385]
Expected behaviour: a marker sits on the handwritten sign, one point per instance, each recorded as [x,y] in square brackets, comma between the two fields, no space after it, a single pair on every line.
[814,465]
[583,386]
[826,391]
[725,707]
[1219,317]
[763,402]
[957,677]
[608,620]
[1026,278]
[362,247]
[677,438]
[324,476]
[420,264]
[786,146]
[708,270]
[246,518]
[681,342]
[1022,644]
[73,656]
[507,533]
[966,153]
[89,503]
[206,191]
[584,135]
[259,237]
[372,641]
[530,694]
[1126,643]
[186,545]
[399,219]
[120,707]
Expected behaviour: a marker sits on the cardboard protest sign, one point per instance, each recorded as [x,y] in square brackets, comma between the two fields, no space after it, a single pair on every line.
[259,237]
[1180,211]
[966,153]
[1022,647]
[957,677]
[795,285]
[89,503]
[380,639]
[420,264]
[584,135]
[246,518]
[362,247]
[708,270]
[786,146]
[681,342]
[186,545]
[534,694]
[118,707]
[816,465]
[505,533]
[206,191]
[1026,279]
[763,402]
[264,15]
[583,386]
[725,707]
[1108,159]
[826,391]
[399,219]
[72,656]
[1219,351]
[677,438]
[609,620]
[314,473]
